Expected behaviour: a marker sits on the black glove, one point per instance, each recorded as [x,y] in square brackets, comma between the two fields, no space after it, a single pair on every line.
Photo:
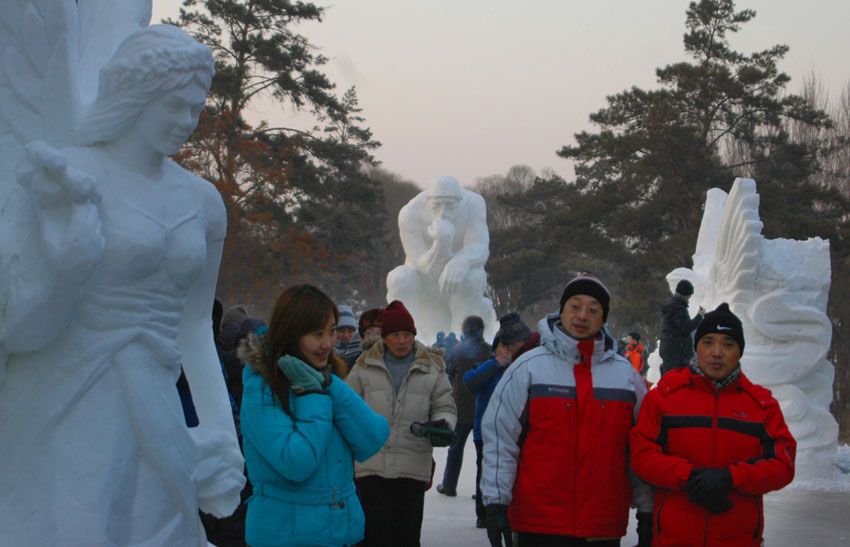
[437,432]
[706,483]
[644,529]
[718,504]
[498,525]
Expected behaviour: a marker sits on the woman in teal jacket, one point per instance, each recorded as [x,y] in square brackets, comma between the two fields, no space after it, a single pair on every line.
[302,427]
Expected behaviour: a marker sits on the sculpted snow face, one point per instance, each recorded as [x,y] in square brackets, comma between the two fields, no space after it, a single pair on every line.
[108,285]
[446,243]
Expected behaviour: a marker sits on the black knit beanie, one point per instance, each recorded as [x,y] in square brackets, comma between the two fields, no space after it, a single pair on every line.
[721,321]
[685,288]
[588,284]
[512,329]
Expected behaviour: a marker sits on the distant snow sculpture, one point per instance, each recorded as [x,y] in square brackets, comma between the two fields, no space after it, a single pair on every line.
[108,265]
[446,243]
[779,289]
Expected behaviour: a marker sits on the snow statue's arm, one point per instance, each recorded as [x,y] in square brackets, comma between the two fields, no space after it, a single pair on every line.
[411,230]
[218,476]
[64,201]
[476,246]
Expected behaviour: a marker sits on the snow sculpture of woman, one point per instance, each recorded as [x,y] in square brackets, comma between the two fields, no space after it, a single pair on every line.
[126,251]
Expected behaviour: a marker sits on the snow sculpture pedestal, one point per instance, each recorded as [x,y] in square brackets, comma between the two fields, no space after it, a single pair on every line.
[779,289]
[446,243]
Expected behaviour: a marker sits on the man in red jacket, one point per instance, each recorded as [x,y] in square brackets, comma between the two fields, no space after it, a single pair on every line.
[556,434]
[712,443]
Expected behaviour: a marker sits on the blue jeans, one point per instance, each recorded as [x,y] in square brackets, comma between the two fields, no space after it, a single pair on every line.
[454,460]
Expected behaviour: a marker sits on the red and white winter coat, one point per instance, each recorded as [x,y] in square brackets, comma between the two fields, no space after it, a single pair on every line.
[685,423]
[556,436]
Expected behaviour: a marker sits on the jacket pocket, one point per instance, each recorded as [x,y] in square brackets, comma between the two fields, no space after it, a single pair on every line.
[658,512]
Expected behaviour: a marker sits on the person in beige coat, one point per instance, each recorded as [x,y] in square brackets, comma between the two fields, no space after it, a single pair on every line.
[402,380]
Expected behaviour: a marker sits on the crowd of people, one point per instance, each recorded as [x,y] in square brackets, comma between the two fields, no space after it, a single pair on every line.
[338,417]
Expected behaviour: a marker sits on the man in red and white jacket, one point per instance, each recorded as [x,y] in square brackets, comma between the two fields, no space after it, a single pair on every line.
[712,442]
[556,432]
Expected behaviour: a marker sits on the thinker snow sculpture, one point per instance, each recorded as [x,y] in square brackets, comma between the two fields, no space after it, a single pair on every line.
[779,289]
[108,268]
[446,242]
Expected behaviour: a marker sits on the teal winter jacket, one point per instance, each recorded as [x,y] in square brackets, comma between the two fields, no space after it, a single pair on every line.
[302,469]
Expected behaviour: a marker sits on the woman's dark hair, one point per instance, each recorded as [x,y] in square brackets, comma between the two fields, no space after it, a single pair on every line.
[299,310]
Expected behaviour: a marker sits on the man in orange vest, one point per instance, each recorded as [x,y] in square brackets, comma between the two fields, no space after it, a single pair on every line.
[636,354]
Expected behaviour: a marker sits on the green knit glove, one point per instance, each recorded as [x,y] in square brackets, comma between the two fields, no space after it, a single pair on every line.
[437,432]
[303,377]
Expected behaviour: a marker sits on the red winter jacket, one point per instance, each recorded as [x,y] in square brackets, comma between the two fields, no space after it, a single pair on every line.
[686,423]
[636,356]
[556,436]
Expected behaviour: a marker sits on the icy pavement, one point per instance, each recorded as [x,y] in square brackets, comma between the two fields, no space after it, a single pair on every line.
[815,514]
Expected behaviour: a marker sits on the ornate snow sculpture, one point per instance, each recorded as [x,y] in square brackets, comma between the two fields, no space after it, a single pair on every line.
[108,267]
[779,289]
[446,242]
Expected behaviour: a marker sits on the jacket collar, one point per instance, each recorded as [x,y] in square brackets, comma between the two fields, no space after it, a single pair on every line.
[682,299]
[423,360]
[566,347]
[683,377]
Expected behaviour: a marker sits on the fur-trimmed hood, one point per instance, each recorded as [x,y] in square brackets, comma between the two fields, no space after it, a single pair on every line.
[252,352]
[367,343]
[424,356]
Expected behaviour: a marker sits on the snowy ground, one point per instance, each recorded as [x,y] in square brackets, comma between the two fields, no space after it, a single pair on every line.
[815,513]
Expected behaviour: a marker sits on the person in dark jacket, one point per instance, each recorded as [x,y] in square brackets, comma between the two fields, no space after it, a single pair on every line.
[513,339]
[466,355]
[676,347]
[712,443]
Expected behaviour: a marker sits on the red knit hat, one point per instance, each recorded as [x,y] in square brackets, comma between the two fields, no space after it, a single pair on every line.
[396,318]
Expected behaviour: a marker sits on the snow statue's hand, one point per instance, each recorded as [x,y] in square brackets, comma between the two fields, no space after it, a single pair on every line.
[65,200]
[218,475]
[442,231]
[453,275]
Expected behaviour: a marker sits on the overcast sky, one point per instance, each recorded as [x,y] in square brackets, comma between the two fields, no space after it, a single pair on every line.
[471,87]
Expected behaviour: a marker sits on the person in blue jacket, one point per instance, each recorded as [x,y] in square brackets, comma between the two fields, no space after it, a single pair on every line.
[513,339]
[302,428]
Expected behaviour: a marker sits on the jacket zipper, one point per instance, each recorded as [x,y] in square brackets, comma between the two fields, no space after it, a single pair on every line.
[713,452]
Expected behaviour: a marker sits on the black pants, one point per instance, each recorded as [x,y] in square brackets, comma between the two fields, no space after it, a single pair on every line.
[454,459]
[527,539]
[393,509]
[480,510]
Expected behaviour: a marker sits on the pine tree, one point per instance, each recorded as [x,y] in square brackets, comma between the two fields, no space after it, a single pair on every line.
[634,211]
[294,197]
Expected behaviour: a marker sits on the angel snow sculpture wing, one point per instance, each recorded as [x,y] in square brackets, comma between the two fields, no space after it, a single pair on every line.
[37,49]
[41,101]
[732,275]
